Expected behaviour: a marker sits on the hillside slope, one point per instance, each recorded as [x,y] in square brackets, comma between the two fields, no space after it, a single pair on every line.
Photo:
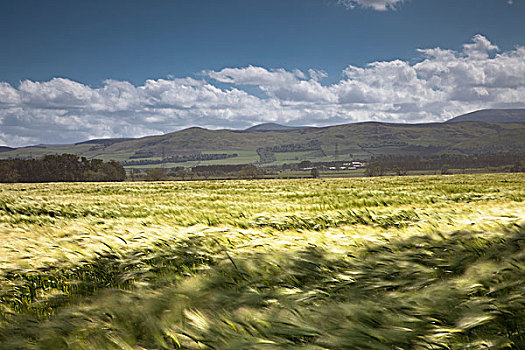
[273,127]
[492,116]
[327,143]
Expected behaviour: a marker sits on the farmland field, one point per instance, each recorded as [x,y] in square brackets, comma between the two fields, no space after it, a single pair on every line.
[428,262]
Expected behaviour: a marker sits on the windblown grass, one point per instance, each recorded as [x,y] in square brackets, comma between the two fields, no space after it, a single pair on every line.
[390,263]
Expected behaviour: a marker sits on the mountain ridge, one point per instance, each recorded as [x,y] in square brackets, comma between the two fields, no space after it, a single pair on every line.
[484,115]
[273,127]
[492,116]
[345,141]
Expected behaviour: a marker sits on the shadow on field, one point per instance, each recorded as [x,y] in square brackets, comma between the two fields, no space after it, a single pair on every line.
[464,290]
[41,292]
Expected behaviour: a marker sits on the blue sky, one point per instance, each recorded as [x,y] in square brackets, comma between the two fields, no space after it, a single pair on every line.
[133,68]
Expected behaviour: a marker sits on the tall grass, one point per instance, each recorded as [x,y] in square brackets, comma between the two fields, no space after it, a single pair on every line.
[391,263]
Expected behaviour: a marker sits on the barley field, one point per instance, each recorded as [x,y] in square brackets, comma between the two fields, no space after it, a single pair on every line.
[429,262]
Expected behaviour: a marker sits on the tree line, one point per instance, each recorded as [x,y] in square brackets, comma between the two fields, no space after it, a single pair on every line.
[181,159]
[201,172]
[60,168]
[400,164]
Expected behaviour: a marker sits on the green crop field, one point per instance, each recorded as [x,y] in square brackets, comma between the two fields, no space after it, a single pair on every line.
[417,262]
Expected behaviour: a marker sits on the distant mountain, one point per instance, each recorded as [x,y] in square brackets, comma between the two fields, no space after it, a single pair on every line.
[5,149]
[273,127]
[492,116]
[104,142]
[292,145]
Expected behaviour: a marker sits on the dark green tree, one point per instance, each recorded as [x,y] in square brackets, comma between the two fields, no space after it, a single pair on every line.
[156,174]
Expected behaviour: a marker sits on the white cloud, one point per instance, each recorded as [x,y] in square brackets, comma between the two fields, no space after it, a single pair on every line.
[317,75]
[279,84]
[8,95]
[441,84]
[255,76]
[379,5]
[479,48]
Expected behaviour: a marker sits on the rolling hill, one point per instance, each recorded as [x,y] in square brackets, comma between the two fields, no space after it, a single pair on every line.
[273,127]
[105,142]
[6,149]
[194,146]
[492,116]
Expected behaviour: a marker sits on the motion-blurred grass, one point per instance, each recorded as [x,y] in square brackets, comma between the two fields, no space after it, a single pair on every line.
[434,262]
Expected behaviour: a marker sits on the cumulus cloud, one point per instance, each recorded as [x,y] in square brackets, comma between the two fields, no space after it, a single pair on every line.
[317,75]
[439,84]
[278,84]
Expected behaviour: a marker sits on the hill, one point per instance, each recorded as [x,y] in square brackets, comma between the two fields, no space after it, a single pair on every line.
[105,142]
[5,149]
[492,116]
[198,146]
[273,127]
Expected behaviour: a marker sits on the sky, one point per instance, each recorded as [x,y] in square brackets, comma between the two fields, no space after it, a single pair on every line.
[75,70]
